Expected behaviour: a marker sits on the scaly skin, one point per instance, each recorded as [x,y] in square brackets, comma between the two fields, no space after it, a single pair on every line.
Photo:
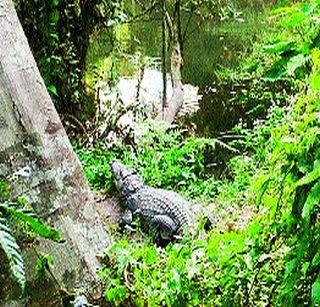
[164,211]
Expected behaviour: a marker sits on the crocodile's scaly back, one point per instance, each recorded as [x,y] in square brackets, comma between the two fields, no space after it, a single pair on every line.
[154,202]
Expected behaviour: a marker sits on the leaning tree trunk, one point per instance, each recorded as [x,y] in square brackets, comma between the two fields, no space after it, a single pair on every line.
[172,107]
[35,147]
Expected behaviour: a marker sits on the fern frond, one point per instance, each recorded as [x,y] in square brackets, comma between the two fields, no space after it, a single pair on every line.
[32,221]
[12,251]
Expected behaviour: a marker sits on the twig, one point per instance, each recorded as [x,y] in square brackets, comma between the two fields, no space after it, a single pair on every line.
[251,287]
[77,121]
[147,10]
[140,79]
[126,280]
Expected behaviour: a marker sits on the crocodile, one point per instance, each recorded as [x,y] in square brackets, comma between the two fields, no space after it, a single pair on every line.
[165,212]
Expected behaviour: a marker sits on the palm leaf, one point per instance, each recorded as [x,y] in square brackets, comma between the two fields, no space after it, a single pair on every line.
[33,222]
[12,251]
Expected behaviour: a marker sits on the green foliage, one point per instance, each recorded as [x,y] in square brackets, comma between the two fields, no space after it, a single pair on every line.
[292,48]
[221,269]
[291,193]
[286,52]
[96,165]
[180,274]
[59,36]
[277,68]
[28,217]
[55,52]
[16,218]
[274,261]
[164,156]
[240,88]
[43,264]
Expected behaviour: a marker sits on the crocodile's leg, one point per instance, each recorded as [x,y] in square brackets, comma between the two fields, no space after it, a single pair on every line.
[163,227]
[126,219]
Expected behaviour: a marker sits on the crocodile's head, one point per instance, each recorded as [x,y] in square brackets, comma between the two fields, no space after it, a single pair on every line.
[126,179]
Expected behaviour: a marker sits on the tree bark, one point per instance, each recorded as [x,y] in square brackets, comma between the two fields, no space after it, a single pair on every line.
[33,139]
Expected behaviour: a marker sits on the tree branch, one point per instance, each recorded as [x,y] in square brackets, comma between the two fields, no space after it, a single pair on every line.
[184,35]
[142,14]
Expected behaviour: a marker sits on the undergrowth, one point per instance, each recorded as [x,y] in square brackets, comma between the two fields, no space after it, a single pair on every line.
[19,223]
[165,156]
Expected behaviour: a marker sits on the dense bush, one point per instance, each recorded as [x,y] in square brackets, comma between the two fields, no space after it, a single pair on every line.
[288,187]
[165,156]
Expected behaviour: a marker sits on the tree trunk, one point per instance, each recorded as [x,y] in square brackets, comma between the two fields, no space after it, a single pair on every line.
[172,107]
[32,139]
[164,57]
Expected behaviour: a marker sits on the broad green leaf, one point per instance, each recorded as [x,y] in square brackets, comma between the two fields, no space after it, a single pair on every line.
[316,57]
[311,177]
[261,184]
[315,81]
[295,63]
[296,19]
[316,260]
[275,74]
[312,200]
[308,8]
[279,46]
[315,294]
[53,90]
[278,69]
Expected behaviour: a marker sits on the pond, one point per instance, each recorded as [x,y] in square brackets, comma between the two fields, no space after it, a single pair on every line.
[209,49]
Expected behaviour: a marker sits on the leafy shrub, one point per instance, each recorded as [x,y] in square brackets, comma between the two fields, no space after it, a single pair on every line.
[183,273]
[297,36]
[164,156]
[234,268]
[289,188]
